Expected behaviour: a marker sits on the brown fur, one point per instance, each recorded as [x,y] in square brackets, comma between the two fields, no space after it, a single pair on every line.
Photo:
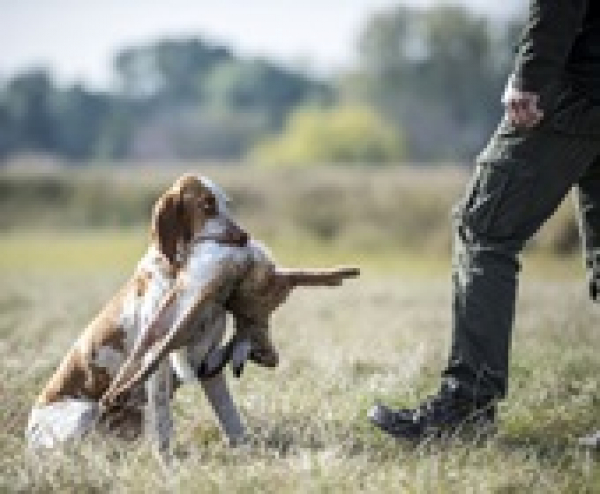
[176,215]
[264,288]
[76,376]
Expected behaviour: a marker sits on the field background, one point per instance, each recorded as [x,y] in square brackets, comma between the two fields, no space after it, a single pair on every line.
[69,237]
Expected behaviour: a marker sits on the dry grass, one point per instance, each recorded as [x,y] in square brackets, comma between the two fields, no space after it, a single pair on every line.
[379,338]
[383,337]
[359,209]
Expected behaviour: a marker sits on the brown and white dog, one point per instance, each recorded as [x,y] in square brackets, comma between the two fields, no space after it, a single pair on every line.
[67,407]
[243,279]
[198,266]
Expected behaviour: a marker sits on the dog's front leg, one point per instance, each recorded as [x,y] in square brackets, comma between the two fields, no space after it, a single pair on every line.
[222,403]
[158,417]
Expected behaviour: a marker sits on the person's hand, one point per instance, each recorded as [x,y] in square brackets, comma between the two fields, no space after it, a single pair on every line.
[522,107]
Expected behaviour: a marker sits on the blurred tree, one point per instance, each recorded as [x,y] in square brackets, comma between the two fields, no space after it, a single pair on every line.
[195,100]
[170,70]
[256,85]
[437,72]
[79,117]
[28,111]
[176,99]
[137,73]
[183,66]
[341,134]
[8,136]
[115,134]
[189,133]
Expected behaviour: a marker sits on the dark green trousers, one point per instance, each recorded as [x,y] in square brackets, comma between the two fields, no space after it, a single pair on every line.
[520,179]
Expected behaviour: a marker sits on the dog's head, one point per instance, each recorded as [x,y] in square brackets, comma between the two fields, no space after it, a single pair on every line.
[193,208]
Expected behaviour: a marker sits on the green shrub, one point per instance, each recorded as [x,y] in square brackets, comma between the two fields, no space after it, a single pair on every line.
[342,134]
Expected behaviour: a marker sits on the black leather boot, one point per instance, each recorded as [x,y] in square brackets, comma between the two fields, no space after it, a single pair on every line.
[452,412]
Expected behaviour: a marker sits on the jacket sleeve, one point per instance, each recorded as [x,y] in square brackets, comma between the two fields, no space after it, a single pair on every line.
[546,41]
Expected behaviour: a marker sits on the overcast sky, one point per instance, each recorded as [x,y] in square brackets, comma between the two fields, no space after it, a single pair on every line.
[76,38]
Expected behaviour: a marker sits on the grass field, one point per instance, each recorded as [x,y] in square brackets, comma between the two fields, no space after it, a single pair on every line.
[381,337]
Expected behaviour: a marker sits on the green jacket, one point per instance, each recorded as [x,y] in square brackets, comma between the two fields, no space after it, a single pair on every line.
[559,59]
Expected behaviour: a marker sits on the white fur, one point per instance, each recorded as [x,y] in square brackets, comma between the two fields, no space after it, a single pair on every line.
[222,198]
[55,424]
[180,362]
[158,416]
[160,282]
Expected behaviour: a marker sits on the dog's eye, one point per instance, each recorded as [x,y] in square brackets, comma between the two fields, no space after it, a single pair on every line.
[209,205]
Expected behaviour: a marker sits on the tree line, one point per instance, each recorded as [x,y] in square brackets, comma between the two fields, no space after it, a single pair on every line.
[426,87]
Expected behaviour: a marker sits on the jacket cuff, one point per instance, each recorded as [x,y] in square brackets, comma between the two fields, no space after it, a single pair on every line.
[533,75]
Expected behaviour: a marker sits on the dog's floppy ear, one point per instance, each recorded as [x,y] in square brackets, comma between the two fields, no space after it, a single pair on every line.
[170,224]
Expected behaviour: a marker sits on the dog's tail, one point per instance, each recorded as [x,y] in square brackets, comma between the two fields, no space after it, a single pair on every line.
[318,277]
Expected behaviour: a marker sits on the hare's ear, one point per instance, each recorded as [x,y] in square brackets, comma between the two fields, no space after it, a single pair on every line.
[168,224]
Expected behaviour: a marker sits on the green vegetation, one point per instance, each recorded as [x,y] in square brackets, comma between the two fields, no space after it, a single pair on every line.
[342,134]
